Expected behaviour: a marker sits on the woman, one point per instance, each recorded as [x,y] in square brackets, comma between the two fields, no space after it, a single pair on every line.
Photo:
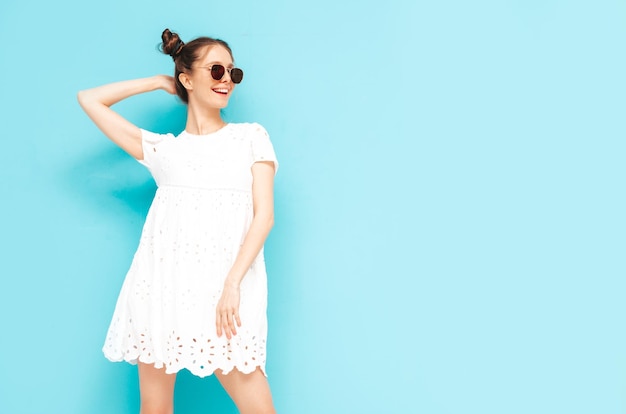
[195,294]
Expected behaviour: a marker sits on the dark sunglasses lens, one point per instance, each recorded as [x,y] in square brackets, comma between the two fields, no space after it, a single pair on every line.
[236,75]
[217,72]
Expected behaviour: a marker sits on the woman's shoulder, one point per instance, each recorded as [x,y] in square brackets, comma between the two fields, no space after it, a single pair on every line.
[154,137]
[249,127]
[250,132]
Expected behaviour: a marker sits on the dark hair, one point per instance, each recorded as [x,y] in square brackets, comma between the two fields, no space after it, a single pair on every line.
[185,54]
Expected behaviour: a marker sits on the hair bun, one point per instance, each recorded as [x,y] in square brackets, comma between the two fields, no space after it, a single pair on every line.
[171,44]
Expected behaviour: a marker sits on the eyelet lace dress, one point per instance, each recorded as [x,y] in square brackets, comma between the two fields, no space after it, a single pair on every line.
[200,215]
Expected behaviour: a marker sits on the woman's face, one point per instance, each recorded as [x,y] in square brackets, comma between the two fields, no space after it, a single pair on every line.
[202,88]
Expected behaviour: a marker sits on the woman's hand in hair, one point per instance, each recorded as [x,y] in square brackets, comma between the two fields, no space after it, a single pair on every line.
[168,84]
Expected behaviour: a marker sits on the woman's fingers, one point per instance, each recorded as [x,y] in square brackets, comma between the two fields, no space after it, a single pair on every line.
[168,84]
[218,324]
[227,322]
[231,325]
[227,313]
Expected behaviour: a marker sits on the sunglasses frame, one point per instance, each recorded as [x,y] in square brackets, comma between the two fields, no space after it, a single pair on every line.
[218,71]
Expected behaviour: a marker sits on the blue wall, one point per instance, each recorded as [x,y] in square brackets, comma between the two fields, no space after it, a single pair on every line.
[450,207]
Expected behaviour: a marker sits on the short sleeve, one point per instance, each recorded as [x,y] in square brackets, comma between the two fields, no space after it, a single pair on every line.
[262,148]
[149,143]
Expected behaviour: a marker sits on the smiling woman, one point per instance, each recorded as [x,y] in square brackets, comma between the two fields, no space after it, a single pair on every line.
[200,53]
[195,296]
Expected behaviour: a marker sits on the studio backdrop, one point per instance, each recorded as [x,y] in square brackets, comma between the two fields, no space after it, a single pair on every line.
[450,229]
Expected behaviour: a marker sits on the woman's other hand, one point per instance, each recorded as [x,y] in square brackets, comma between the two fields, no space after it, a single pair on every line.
[227,312]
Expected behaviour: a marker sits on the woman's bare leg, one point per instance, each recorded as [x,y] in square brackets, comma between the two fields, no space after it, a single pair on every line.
[250,392]
[156,389]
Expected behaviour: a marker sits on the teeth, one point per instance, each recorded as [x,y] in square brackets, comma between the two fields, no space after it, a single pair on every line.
[221,90]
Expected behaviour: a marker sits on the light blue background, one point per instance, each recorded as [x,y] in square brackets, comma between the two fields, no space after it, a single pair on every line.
[450,228]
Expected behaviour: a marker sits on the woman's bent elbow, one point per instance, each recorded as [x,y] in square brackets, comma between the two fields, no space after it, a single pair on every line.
[82,97]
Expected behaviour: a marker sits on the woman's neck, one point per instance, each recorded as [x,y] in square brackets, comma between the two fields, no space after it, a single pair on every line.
[202,122]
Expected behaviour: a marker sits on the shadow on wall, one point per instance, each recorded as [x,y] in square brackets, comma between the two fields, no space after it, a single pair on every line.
[111,183]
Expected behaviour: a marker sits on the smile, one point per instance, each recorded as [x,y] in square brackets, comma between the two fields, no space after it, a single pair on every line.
[221,91]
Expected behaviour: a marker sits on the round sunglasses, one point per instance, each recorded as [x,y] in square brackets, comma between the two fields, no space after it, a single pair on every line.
[218,71]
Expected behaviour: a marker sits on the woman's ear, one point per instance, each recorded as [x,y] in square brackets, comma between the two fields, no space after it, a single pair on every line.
[184,79]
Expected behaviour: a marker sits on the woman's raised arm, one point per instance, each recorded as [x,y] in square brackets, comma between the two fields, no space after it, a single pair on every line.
[97,102]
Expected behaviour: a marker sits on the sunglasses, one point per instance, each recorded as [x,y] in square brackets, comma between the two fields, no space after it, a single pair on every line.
[218,71]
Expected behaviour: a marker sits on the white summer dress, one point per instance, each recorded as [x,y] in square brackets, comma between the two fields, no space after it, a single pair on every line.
[201,212]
